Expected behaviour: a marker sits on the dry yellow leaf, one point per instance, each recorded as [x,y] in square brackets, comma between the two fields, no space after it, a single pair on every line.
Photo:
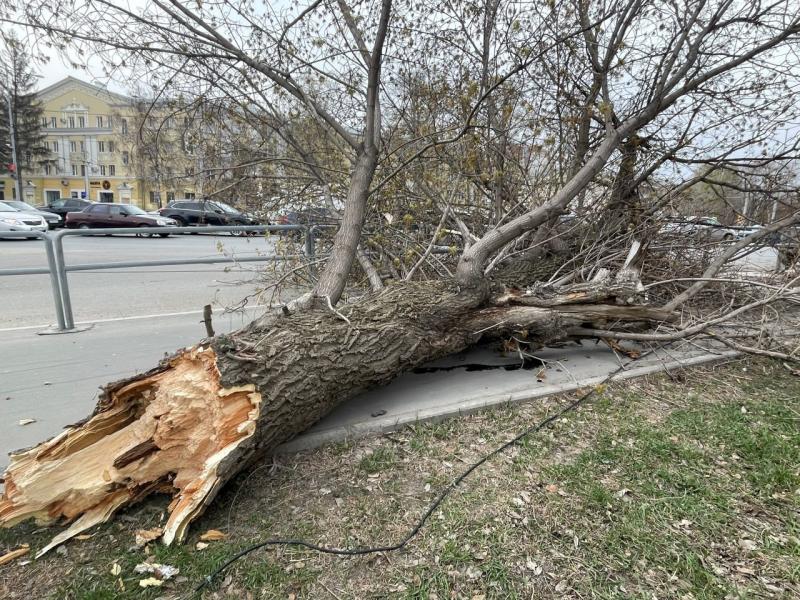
[150,582]
[213,535]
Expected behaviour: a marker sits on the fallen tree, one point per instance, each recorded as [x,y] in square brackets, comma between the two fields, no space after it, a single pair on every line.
[192,423]
[205,413]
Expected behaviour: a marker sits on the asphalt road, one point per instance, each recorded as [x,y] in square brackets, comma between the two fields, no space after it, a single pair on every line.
[26,300]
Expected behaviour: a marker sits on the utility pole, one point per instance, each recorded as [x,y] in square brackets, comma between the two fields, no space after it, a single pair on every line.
[17,181]
[86,170]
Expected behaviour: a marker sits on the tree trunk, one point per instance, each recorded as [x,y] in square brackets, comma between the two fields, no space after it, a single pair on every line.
[204,414]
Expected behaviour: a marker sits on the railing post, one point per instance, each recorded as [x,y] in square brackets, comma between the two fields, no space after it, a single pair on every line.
[54,282]
[61,272]
[311,252]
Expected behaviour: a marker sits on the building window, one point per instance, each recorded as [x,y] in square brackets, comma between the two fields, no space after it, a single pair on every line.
[101,146]
[83,170]
[71,122]
[125,157]
[55,146]
[100,121]
[108,121]
[47,168]
[73,147]
[112,170]
[81,122]
[44,121]
[53,123]
[189,195]
[124,125]
[110,146]
[102,169]
[83,147]
[74,169]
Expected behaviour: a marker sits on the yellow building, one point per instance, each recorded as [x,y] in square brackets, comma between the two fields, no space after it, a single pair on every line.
[96,152]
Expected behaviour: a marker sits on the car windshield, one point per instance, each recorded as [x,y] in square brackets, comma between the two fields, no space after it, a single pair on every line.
[7,207]
[19,204]
[225,207]
[133,210]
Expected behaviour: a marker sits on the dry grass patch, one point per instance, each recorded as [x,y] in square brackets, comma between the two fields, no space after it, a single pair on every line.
[658,488]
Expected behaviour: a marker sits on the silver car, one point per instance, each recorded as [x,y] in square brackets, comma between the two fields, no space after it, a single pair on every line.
[53,220]
[12,219]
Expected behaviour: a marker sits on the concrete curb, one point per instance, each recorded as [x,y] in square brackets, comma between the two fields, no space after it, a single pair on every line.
[316,438]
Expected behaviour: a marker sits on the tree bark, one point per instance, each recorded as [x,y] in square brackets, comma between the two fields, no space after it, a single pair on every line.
[204,414]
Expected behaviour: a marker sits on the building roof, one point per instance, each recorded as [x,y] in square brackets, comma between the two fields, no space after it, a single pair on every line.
[60,87]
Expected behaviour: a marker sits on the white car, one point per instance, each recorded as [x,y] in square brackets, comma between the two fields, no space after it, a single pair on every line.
[708,227]
[12,219]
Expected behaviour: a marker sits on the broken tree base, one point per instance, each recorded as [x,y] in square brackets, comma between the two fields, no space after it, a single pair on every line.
[166,431]
[203,415]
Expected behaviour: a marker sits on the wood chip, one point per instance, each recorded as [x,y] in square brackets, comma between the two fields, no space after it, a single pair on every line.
[144,536]
[9,556]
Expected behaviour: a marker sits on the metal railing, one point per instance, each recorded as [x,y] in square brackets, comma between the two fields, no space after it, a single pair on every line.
[57,268]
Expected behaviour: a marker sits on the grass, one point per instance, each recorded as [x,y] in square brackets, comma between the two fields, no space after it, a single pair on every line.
[657,489]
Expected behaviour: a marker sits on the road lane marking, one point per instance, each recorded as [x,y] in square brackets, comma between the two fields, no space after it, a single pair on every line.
[198,312]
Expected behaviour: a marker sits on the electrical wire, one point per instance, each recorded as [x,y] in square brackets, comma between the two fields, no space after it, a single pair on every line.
[434,505]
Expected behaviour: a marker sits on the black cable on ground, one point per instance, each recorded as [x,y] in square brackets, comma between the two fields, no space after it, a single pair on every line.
[434,505]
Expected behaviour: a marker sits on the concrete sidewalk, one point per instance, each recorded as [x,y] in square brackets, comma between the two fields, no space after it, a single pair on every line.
[54,379]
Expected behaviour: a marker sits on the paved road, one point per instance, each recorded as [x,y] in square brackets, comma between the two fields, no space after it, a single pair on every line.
[26,300]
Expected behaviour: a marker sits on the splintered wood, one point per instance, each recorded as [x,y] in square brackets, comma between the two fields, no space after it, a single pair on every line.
[168,431]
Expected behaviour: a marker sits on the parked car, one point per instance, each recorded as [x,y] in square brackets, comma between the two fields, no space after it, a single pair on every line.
[708,227]
[205,212]
[63,206]
[53,220]
[106,215]
[314,216]
[12,219]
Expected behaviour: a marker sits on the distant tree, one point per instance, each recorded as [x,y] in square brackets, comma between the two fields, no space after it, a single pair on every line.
[17,82]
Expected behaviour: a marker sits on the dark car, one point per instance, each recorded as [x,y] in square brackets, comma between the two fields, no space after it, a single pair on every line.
[205,212]
[101,216]
[53,220]
[63,206]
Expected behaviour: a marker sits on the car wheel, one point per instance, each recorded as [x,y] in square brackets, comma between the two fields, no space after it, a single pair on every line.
[727,237]
[144,234]
[84,226]
[164,235]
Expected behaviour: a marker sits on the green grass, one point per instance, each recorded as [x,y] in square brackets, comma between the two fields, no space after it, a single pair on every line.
[379,460]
